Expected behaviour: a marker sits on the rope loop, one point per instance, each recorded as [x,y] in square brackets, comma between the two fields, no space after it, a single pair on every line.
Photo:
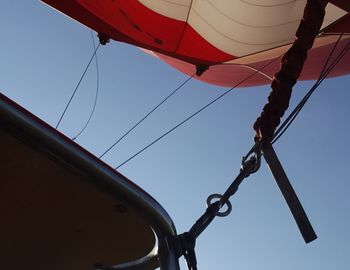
[227,202]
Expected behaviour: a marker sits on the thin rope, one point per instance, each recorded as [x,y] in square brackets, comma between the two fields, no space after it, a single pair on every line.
[285,125]
[77,86]
[96,93]
[297,110]
[197,112]
[325,66]
[147,115]
[251,68]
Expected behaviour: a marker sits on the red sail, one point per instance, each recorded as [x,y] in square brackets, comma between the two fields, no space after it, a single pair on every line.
[234,38]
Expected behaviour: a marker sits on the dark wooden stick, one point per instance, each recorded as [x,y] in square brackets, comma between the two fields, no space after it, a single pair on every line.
[288,193]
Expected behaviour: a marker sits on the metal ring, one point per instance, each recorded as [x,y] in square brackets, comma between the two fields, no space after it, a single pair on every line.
[219,196]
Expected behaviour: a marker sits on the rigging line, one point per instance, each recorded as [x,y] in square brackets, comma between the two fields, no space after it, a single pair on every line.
[96,93]
[251,68]
[197,112]
[298,108]
[292,115]
[77,86]
[147,115]
[330,55]
[260,72]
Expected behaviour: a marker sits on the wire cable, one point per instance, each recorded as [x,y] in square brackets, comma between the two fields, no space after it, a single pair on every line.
[147,115]
[96,92]
[197,112]
[324,73]
[77,86]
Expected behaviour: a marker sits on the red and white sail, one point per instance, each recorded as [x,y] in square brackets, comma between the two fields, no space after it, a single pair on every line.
[234,38]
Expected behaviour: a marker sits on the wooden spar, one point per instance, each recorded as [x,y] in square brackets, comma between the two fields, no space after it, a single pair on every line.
[288,193]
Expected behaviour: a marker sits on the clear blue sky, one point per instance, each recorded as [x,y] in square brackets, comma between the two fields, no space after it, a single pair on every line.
[43,54]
